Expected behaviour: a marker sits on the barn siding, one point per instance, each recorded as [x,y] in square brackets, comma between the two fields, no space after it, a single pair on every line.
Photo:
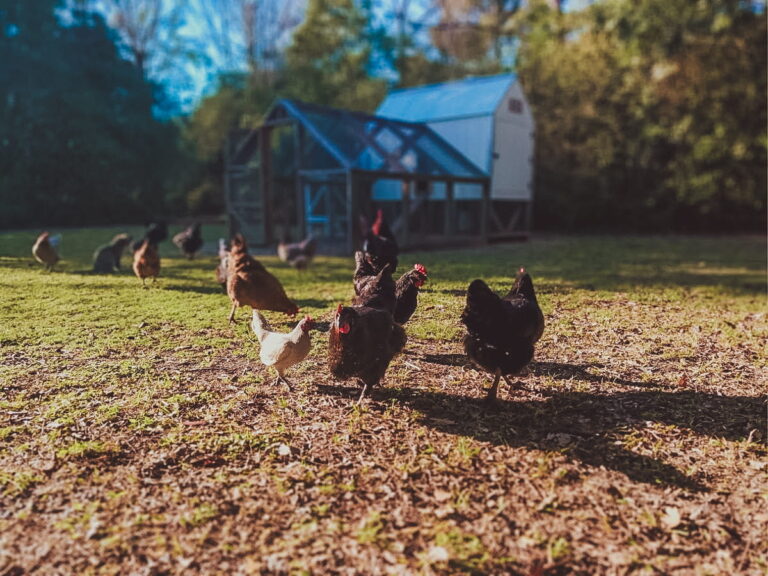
[470,136]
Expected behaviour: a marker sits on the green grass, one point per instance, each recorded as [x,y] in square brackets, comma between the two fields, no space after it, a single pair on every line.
[139,424]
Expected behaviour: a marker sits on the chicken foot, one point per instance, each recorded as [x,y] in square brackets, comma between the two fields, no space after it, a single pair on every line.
[283,380]
[511,384]
[232,314]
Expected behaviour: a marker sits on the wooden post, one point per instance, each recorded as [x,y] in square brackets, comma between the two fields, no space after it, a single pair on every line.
[301,214]
[528,216]
[425,190]
[450,210]
[407,188]
[485,210]
[364,197]
[265,173]
[351,211]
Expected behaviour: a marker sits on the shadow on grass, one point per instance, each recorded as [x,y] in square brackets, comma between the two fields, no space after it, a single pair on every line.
[322,326]
[561,371]
[313,302]
[446,359]
[592,428]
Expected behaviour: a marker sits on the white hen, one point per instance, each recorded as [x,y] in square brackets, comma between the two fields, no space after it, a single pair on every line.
[281,351]
[221,269]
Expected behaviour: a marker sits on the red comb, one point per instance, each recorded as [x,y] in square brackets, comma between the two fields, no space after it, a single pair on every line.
[420,269]
[522,270]
[376,228]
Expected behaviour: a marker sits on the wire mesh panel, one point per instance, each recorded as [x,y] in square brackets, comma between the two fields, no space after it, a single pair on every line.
[246,205]
[326,209]
[371,143]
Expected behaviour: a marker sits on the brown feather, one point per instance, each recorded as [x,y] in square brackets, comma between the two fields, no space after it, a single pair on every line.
[250,284]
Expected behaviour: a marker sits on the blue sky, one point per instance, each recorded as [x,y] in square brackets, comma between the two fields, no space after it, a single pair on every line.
[193,68]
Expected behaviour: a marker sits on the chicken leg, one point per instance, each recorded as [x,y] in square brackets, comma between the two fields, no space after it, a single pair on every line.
[282,379]
[362,394]
[510,383]
[232,314]
[493,390]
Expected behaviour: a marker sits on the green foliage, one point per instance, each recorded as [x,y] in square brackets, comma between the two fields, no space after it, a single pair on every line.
[650,116]
[78,141]
[417,69]
[328,61]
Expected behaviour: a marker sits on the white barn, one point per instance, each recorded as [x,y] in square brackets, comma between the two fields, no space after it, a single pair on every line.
[489,121]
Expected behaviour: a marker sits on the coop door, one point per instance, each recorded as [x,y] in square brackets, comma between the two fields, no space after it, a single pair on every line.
[512,165]
[326,209]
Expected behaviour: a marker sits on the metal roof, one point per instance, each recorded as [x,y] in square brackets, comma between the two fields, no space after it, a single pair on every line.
[363,142]
[463,98]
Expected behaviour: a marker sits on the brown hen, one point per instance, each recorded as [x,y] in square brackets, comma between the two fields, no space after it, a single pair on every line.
[250,284]
[44,249]
[146,262]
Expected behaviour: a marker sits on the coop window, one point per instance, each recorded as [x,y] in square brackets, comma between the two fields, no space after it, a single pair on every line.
[515,106]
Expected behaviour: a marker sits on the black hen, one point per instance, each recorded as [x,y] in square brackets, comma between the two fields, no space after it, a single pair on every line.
[407,292]
[380,245]
[501,332]
[362,343]
[190,240]
[156,232]
[373,289]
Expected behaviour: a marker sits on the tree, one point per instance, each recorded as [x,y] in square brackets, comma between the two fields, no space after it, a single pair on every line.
[247,34]
[328,60]
[150,29]
[648,116]
[240,102]
[80,144]
[477,31]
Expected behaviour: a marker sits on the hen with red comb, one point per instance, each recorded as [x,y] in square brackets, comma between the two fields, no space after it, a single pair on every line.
[362,343]
[281,351]
[379,244]
[407,293]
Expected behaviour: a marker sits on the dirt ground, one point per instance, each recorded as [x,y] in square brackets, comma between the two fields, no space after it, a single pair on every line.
[141,435]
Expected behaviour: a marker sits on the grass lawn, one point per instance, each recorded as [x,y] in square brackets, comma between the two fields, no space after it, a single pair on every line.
[140,435]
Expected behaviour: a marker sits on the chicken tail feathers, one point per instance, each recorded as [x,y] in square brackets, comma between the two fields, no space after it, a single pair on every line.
[260,325]
[482,303]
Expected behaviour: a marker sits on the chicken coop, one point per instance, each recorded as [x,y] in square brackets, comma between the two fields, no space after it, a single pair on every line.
[315,170]
[488,120]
